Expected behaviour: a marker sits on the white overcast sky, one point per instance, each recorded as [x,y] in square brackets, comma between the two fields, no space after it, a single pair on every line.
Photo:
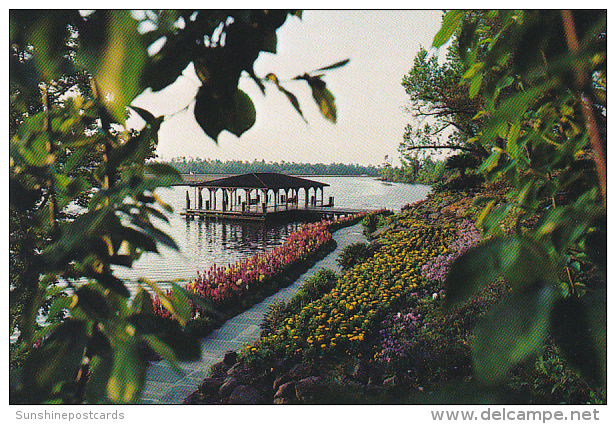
[381,46]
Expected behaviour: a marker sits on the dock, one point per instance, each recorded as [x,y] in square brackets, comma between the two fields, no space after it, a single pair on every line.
[272,215]
[261,197]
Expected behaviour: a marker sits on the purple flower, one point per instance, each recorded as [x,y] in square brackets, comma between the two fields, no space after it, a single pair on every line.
[468,237]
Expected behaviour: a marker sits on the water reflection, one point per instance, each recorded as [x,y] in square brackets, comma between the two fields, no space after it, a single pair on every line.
[242,237]
[204,242]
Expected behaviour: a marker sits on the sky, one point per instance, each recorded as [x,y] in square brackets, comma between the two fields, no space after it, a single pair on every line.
[370,99]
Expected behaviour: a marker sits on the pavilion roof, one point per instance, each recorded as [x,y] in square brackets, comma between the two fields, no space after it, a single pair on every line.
[262,180]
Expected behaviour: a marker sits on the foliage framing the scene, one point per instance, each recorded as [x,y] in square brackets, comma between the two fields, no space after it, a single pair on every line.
[82,193]
[544,117]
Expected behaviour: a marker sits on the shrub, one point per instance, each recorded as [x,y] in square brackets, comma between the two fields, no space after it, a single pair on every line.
[459,183]
[275,315]
[354,254]
[375,220]
[314,287]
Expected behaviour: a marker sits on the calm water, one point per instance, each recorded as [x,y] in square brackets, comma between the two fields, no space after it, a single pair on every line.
[205,242]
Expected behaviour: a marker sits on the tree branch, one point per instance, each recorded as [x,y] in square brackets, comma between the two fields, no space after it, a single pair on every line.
[581,82]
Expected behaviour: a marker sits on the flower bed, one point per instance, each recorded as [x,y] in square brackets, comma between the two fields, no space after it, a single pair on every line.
[235,287]
[468,237]
[223,284]
[354,308]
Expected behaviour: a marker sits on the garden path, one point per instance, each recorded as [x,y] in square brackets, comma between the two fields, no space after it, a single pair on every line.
[164,386]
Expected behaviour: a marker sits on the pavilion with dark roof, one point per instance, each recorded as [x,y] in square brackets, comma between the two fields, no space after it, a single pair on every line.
[254,195]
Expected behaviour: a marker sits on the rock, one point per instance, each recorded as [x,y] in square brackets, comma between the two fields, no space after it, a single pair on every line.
[280,380]
[230,358]
[286,390]
[240,371]
[245,395]
[307,389]
[283,401]
[211,385]
[354,387]
[219,369]
[391,382]
[301,370]
[375,376]
[360,371]
[372,389]
[228,386]
[195,398]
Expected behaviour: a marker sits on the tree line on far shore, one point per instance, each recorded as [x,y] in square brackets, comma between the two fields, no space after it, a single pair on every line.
[215,166]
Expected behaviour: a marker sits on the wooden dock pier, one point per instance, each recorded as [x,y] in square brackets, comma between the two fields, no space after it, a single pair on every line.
[271,215]
[266,196]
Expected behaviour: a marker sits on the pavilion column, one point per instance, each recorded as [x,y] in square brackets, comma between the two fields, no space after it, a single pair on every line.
[264,200]
[200,199]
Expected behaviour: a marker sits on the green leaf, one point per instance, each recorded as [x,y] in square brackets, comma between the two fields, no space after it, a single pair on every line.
[512,140]
[164,351]
[166,173]
[145,115]
[490,163]
[100,371]
[184,345]
[215,114]
[116,64]
[93,303]
[485,212]
[46,31]
[270,43]
[199,301]
[58,305]
[451,21]
[519,260]
[293,99]
[596,308]
[57,360]
[243,115]
[112,283]
[575,333]
[491,223]
[73,239]
[324,98]
[148,229]
[142,303]
[181,306]
[334,65]
[36,150]
[475,85]
[513,332]
[128,372]
[164,299]
[511,111]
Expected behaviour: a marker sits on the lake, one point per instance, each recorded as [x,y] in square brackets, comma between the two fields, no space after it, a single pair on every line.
[206,242]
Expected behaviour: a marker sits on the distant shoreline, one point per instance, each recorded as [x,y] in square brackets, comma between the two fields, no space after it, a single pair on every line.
[295,175]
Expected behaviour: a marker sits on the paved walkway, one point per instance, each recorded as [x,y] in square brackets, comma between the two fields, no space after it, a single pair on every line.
[165,386]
